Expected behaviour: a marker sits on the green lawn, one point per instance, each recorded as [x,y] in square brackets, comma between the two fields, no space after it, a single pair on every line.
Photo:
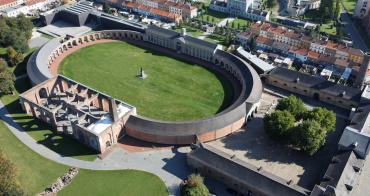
[241,22]
[328,28]
[39,131]
[123,182]
[35,173]
[174,90]
[349,5]
[213,16]
[191,31]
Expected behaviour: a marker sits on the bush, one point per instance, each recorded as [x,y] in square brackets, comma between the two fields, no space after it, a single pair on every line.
[278,124]
[194,186]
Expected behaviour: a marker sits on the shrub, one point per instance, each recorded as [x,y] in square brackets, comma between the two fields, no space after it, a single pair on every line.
[194,186]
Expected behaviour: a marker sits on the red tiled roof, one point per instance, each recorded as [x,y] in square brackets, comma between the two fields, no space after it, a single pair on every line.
[33,2]
[5,2]
[300,51]
[355,51]
[262,40]
[313,55]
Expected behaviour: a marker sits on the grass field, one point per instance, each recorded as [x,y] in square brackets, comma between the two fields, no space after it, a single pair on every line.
[174,90]
[123,182]
[213,16]
[191,31]
[349,5]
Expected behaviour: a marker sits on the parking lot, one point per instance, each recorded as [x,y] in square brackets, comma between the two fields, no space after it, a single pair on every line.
[252,145]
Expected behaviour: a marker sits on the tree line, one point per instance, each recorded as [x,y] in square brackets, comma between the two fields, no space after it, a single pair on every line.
[298,126]
[14,35]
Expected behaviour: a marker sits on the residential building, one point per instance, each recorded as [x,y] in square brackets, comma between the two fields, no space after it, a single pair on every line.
[240,8]
[304,48]
[8,3]
[173,11]
[361,9]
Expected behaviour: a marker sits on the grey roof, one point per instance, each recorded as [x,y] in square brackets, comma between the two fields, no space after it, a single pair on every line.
[79,8]
[245,173]
[37,65]
[317,83]
[164,32]
[173,34]
[259,64]
[361,119]
[200,42]
[341,173]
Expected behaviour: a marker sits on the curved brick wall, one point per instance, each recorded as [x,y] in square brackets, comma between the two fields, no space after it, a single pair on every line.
[43,65]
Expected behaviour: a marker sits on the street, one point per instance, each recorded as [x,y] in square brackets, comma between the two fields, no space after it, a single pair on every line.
[351,30]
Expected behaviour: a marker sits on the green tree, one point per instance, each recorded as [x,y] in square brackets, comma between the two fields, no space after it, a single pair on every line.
[233,24]
[213,20]
[308,136]
[8,183]
[207,18]
[194,186]
[323,116]
[252,44]
[278,124]
[6,82]
[337,10]
[106,7]
[14,58]
[292,104]
[270,3]
[3,65]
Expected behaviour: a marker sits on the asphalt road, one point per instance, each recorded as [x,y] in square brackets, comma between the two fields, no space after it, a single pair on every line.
[351,30]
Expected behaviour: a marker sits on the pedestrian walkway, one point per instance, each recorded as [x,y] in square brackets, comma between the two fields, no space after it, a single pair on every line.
[168,164]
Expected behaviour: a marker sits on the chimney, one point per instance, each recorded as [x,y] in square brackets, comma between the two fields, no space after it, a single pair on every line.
[113,110]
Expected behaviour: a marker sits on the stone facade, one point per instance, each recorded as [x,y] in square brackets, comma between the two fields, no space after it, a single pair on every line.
[73,109]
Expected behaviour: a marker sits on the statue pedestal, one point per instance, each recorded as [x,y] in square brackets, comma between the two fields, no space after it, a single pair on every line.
[142,74]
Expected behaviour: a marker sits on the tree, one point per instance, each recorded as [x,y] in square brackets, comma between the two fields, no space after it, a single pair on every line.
[323,116]
[292,104]
[3,64]
[6,82]
[227,23]
[337,10]
[194,186]
[15,32]
[106,7]
[252,44]
[270,3]
[14,58]
[278,124]
[8,182]
[233,24]
[207,18]
[308,136]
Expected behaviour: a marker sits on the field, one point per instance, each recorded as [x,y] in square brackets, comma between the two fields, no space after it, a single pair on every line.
[349,5]
[123,182]
[35,173]
[174,90]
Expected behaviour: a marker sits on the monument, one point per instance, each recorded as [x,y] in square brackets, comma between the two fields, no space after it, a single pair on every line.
[142,74]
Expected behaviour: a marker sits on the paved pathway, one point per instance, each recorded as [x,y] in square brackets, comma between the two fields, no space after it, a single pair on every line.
[168,164]
[223,22]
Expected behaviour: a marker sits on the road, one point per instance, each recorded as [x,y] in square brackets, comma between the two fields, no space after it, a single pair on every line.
[351,30]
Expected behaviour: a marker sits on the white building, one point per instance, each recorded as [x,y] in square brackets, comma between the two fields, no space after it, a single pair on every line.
[362,8]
